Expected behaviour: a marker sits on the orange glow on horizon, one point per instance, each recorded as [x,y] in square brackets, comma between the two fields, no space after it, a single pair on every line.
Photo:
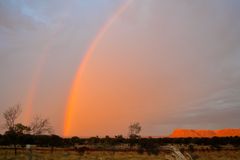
[75,88]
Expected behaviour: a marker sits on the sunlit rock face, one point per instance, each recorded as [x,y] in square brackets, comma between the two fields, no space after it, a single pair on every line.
[228,132]
[183,133]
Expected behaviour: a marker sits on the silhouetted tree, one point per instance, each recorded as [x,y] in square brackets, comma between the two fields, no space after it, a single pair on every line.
[22,129]
[119,139]
[148,145]
[108,141]
[10,116]
[134,133]
[17,133]
[40,126]
[76,140]
[134,130]
[93,140]
[55,141]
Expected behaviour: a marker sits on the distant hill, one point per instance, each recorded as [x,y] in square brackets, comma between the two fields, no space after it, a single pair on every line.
[183,133]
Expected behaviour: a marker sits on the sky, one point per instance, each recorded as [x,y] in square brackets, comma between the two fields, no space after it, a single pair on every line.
[166,64]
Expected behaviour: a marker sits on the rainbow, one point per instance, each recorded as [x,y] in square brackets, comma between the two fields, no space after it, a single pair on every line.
[75,88]
[33,87]
[31,93]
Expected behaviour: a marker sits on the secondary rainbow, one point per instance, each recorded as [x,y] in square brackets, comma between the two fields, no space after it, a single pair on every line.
[31,93]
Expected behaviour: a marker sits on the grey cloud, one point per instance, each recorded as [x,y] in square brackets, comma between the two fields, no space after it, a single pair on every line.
[11,16]
[206,38]
[190,46]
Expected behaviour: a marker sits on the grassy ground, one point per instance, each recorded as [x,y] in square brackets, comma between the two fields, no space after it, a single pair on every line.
[63,155]
[216,155]
[60,155]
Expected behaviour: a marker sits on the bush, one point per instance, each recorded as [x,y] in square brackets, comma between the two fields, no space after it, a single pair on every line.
[191,148]
[149,146]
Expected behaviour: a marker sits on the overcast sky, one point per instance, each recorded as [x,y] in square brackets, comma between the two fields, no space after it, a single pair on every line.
[164,63]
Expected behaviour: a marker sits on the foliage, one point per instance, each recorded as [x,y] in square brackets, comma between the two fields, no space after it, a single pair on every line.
[10,116]
[148,145]
[40,126]
[191,148]
[22,129]
[17,133]
[134,130]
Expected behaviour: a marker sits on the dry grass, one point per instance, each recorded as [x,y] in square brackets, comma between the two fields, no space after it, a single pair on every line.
[64,155]
[217,155]
[60,155]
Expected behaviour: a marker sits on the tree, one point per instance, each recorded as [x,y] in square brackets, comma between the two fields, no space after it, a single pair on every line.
[40,126]
[149,145]
[55,141]
[22,129]
[134,130]
[119,139]
[134,133]
[10,116]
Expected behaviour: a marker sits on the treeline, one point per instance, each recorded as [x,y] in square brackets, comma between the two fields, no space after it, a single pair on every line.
[57,141]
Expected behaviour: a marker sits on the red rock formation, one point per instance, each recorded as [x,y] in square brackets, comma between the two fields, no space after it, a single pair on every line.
[227,132]
[182,133]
